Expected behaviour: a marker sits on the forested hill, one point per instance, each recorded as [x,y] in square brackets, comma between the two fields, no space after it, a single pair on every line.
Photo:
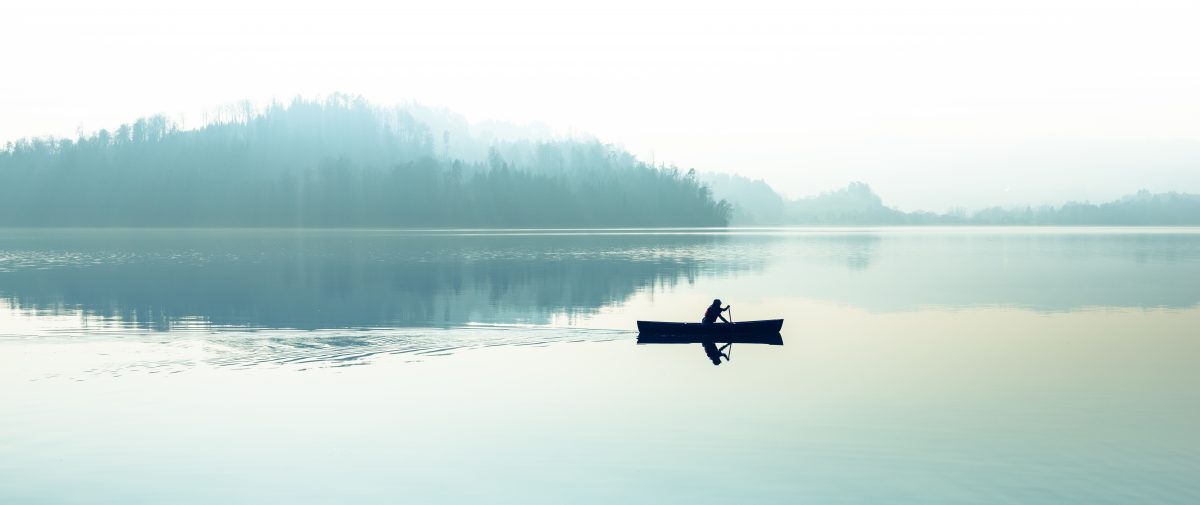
[339,162]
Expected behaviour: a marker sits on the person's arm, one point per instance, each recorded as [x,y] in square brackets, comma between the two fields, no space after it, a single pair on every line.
[726,308]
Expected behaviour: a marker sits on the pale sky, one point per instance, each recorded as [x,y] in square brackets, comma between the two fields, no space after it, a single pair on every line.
[936,104]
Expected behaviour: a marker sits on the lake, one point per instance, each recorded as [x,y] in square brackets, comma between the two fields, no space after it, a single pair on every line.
[919,365]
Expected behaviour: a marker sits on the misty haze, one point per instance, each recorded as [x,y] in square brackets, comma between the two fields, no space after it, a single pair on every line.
[263,252]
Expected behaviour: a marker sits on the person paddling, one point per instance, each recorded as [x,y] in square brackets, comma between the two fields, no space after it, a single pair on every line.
[713,312]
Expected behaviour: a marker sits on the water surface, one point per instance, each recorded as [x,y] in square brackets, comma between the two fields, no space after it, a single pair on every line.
[921,365]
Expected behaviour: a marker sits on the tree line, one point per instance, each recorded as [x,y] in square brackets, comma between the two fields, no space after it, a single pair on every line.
[336,162]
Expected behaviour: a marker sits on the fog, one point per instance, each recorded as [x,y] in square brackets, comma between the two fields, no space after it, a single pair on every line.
[935,104]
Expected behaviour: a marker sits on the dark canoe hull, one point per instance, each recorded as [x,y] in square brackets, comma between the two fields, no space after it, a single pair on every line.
[715,330]
[759,338]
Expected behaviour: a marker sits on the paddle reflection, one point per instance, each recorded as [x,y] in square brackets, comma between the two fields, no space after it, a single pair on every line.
[715,353]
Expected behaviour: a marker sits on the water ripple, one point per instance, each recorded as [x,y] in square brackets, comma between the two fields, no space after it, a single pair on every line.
[248,349]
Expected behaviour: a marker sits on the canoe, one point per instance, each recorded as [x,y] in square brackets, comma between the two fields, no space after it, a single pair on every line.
[716,330]
[748,338]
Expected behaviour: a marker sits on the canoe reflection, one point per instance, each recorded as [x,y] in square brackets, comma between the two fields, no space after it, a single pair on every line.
[711,350]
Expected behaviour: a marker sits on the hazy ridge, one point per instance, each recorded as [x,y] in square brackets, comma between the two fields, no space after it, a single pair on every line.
[754,202]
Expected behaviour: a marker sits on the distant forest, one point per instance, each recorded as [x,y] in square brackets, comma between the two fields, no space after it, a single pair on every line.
[339,162]
[343,162]
[755,203]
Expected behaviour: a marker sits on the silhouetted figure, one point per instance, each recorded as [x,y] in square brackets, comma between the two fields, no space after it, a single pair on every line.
[714,312]
[715,354]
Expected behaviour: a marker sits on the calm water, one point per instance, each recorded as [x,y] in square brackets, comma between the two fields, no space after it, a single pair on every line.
[919,366]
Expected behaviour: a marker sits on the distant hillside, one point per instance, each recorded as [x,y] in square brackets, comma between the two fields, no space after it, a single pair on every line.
[857,204]
[752,201]
[341,162]
[1142,208]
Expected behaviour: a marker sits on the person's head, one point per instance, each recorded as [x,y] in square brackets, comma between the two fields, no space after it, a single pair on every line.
[717,302]
[716,359]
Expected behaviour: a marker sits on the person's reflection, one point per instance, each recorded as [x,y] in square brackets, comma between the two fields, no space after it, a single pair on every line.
[714,353]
